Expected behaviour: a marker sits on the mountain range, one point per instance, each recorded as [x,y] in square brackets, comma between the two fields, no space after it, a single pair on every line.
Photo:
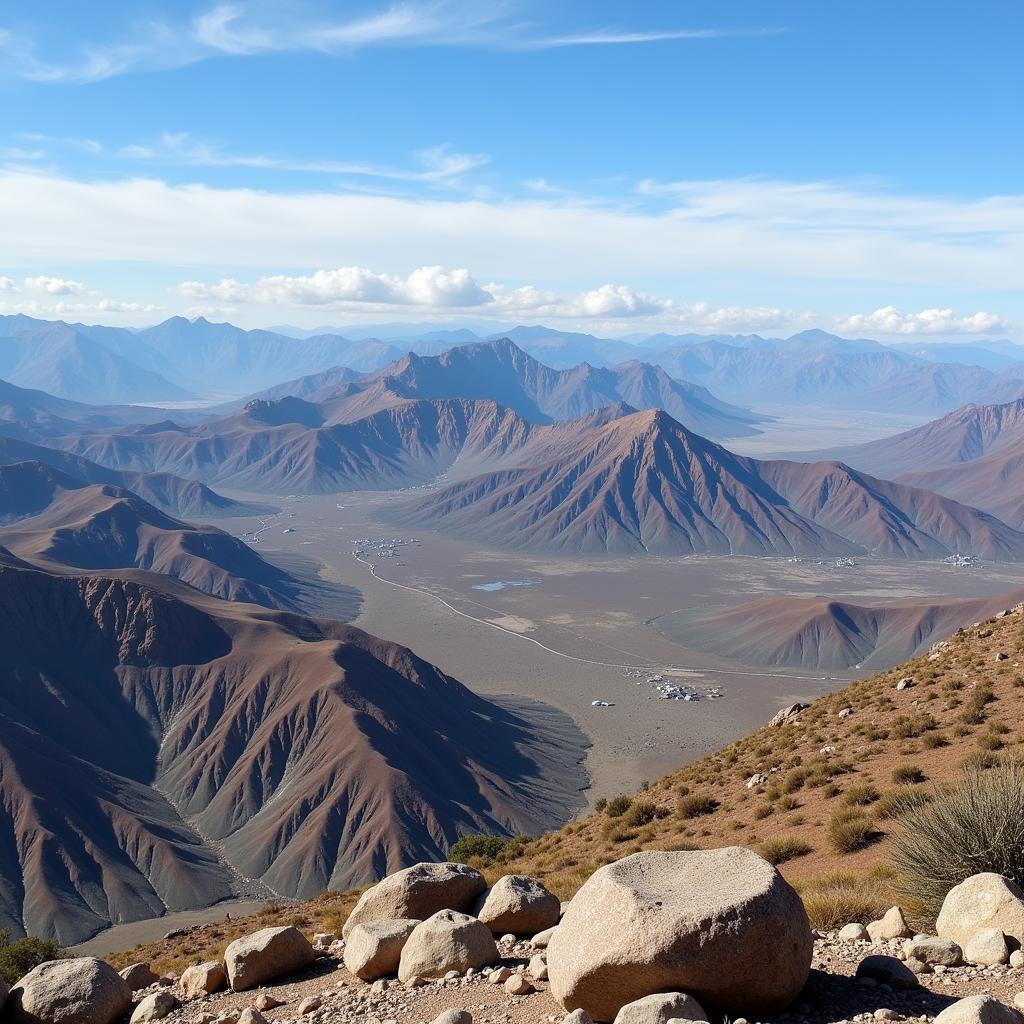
[157,745]
[180,359]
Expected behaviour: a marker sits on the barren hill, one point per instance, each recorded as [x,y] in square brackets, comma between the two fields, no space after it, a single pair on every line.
[63,521]
[825,633]
[643,483]
[156,743]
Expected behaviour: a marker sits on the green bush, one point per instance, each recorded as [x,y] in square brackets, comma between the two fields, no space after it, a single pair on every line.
[600,805]
[697,804]
[19,957]
[485,847]
[973,826]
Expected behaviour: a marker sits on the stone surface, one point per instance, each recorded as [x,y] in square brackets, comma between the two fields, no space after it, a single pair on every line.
[578,1017]
[541,939]
[887,970]
[518,985]
[660,1009]
[788,714]
[986,900]
[978,1010]
[82,990]
[154,1007]
[373,949]
[251,1015]
[266,954]
[722,925]
[446,941]
[418,892]
[309,1005]
[987,947]
[265,1001]
[892,925]
[139,976]
[453,1017]
[518,904]
[537,968]
[853,933]
[932,950]
[203,979]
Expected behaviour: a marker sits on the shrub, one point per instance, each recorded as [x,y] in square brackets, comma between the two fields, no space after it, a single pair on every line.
[898,801]
[973,826]
[697,804]
[788,803]
[600,805]
[19,957]
[779,849]
[643,813]
[860,795]
[485,847]
[933,740]
[618,806]
[908,774]
[851,830]
[839,897]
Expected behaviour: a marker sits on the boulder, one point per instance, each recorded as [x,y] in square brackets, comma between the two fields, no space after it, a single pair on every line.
[788,714]
[373,949]
[453,1017]
[987,900]
[892,925]
[987,948]
[978,1010]
[932,950]
[154,1007]
[266,954]
[722,925]
[577,1017]
[518,904]
[446,941]
[518,985]
[203,979]
[660,1009]
[853,933]
[887,970]
[418,892]
[250,1015]
[83,990]
[139,976]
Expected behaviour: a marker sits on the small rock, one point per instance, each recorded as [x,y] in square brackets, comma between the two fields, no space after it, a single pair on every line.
[660,1009]
[499,976]
[541,939]
[887,970]
[538,968]
[250,1015]
[884,1013]
[265,1001]
[978,1010]
[892,925]
[139,976]
[932,950]
[517,985]
[203,979]
[1017,958]
[154,1007]
[853,933]
[309,1005]
[905,683]
[987,947]
[582,1017]
[454,1017]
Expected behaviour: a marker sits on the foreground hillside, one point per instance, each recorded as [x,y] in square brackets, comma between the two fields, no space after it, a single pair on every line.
[822,806]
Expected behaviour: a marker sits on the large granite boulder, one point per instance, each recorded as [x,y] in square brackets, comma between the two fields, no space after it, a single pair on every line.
[83,990]
[518,905]
[447,941]
[374,949]
[721,925]
[266,954]
[982,901]
[418,892]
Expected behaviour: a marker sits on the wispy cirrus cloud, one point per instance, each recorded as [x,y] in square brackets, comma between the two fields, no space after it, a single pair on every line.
[236,29]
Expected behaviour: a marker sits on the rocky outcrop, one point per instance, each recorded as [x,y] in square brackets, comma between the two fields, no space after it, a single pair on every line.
[417,893]
[447,941]
[721,925]
[268,953]
[518,905]
[83,990]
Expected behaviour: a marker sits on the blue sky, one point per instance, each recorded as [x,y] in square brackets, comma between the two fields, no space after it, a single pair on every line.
[616,167]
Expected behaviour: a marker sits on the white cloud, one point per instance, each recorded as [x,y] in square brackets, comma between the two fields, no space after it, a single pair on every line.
[236,30]
[7,285]
[55,286]
[890,320]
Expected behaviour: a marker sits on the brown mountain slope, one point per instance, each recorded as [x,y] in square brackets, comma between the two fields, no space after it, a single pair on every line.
[171,493]
[155,741]
[61,521]
[643,483]
[499,371]
[824,633]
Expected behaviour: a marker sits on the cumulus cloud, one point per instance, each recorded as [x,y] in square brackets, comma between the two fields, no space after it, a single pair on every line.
[55,286]
[429,287]
[890,320]
[7,285]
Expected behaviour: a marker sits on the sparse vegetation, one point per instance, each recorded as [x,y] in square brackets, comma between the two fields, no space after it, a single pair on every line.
[618,806]
[851,829]
[975,825]
[838,897]
[469,848]
[697,804]
[908,774]
[779,849]
[19,957]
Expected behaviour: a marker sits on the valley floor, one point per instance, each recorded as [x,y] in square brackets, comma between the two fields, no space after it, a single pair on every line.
[571,631]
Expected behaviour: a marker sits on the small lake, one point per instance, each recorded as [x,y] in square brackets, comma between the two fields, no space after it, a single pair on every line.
[504,585]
